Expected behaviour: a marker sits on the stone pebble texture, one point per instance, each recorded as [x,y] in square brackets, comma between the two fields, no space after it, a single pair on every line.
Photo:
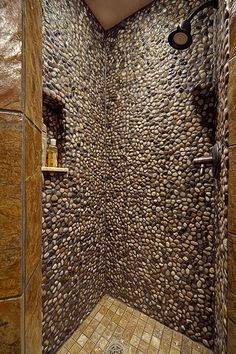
[133,218]
[73,204]
[221,53]
[160,211]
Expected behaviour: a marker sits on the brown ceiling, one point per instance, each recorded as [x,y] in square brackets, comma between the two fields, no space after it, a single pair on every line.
[111,12]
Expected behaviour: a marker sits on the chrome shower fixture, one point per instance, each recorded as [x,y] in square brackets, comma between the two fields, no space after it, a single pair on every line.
[181,38]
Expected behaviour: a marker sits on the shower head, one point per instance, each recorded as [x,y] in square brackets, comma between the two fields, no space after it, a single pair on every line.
[181,38]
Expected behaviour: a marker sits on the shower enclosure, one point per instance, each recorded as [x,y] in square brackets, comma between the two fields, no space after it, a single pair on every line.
[130,213]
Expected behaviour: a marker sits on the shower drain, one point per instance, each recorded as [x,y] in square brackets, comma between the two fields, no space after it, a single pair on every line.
[116,347]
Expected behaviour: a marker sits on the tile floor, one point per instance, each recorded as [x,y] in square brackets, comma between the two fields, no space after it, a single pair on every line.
[114,328]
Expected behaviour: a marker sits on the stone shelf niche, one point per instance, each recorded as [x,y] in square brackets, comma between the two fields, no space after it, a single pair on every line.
[53,118]
[55,169]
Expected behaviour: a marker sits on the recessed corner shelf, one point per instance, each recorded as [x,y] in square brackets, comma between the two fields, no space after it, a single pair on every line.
[55,169]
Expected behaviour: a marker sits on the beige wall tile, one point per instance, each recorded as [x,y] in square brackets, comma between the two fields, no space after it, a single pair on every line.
[10,326]
[232,190]
[33,222]
[33,313]
[33,149]
[33,47]
[11,55]
[232,306]
[232,28]
[33,198]
[232,101]
[231,337]
[10,204]
[232,263]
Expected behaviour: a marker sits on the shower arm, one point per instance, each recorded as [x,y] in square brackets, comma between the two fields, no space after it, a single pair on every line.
[210,3]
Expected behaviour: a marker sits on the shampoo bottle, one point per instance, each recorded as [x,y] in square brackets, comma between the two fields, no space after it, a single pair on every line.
[52,153]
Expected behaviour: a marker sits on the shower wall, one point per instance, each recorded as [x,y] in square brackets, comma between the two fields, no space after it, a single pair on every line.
[73,225]
[221,57]
[160,211]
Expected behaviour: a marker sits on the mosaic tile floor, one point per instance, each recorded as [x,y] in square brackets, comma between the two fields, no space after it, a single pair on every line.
[114,328]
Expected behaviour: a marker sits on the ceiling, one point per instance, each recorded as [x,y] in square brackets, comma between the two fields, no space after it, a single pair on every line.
[110,12]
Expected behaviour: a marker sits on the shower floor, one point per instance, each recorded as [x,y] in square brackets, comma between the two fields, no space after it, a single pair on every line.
[114,328]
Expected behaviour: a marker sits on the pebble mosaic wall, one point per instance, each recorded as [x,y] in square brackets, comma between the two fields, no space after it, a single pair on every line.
[221,55]
[160,211]
[134,218]
[73,225]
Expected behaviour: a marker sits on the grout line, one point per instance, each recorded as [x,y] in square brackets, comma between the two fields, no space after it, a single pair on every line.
[11,111]
[34,125]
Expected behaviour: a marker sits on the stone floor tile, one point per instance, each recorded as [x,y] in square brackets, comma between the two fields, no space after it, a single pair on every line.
[88,331]
[76,348]
[196,351]
[102,343]
[155,342]
[146,337]
[98,316]
[100,328]
[176,340]
[174,350]
[82,340]
[95,337]
[112,320]
[135,341]
[89,346]
[63,350]
[68,344]
[198,347]
[132,350]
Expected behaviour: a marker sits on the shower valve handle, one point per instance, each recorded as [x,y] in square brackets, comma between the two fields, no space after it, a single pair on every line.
[213,160]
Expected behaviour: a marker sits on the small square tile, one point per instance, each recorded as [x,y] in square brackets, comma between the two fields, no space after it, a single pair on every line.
[95,337]
[120,311]
[116,318]
[75,349]
[143,346]
[105,321]
[68,344]
[133,350]
[149,328]
[97,350]
[138,331]
[76,334]
[102,343]
[98,316]
[118,331]
[88,331]
[107,334]
[155,342]
[143,317]
[197,346]
[82,340]
[174,350]
[152,350]
[63,350]
[127,335]
[176,340]
[123,322]
[146,337]
[135,341]
[89,346]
